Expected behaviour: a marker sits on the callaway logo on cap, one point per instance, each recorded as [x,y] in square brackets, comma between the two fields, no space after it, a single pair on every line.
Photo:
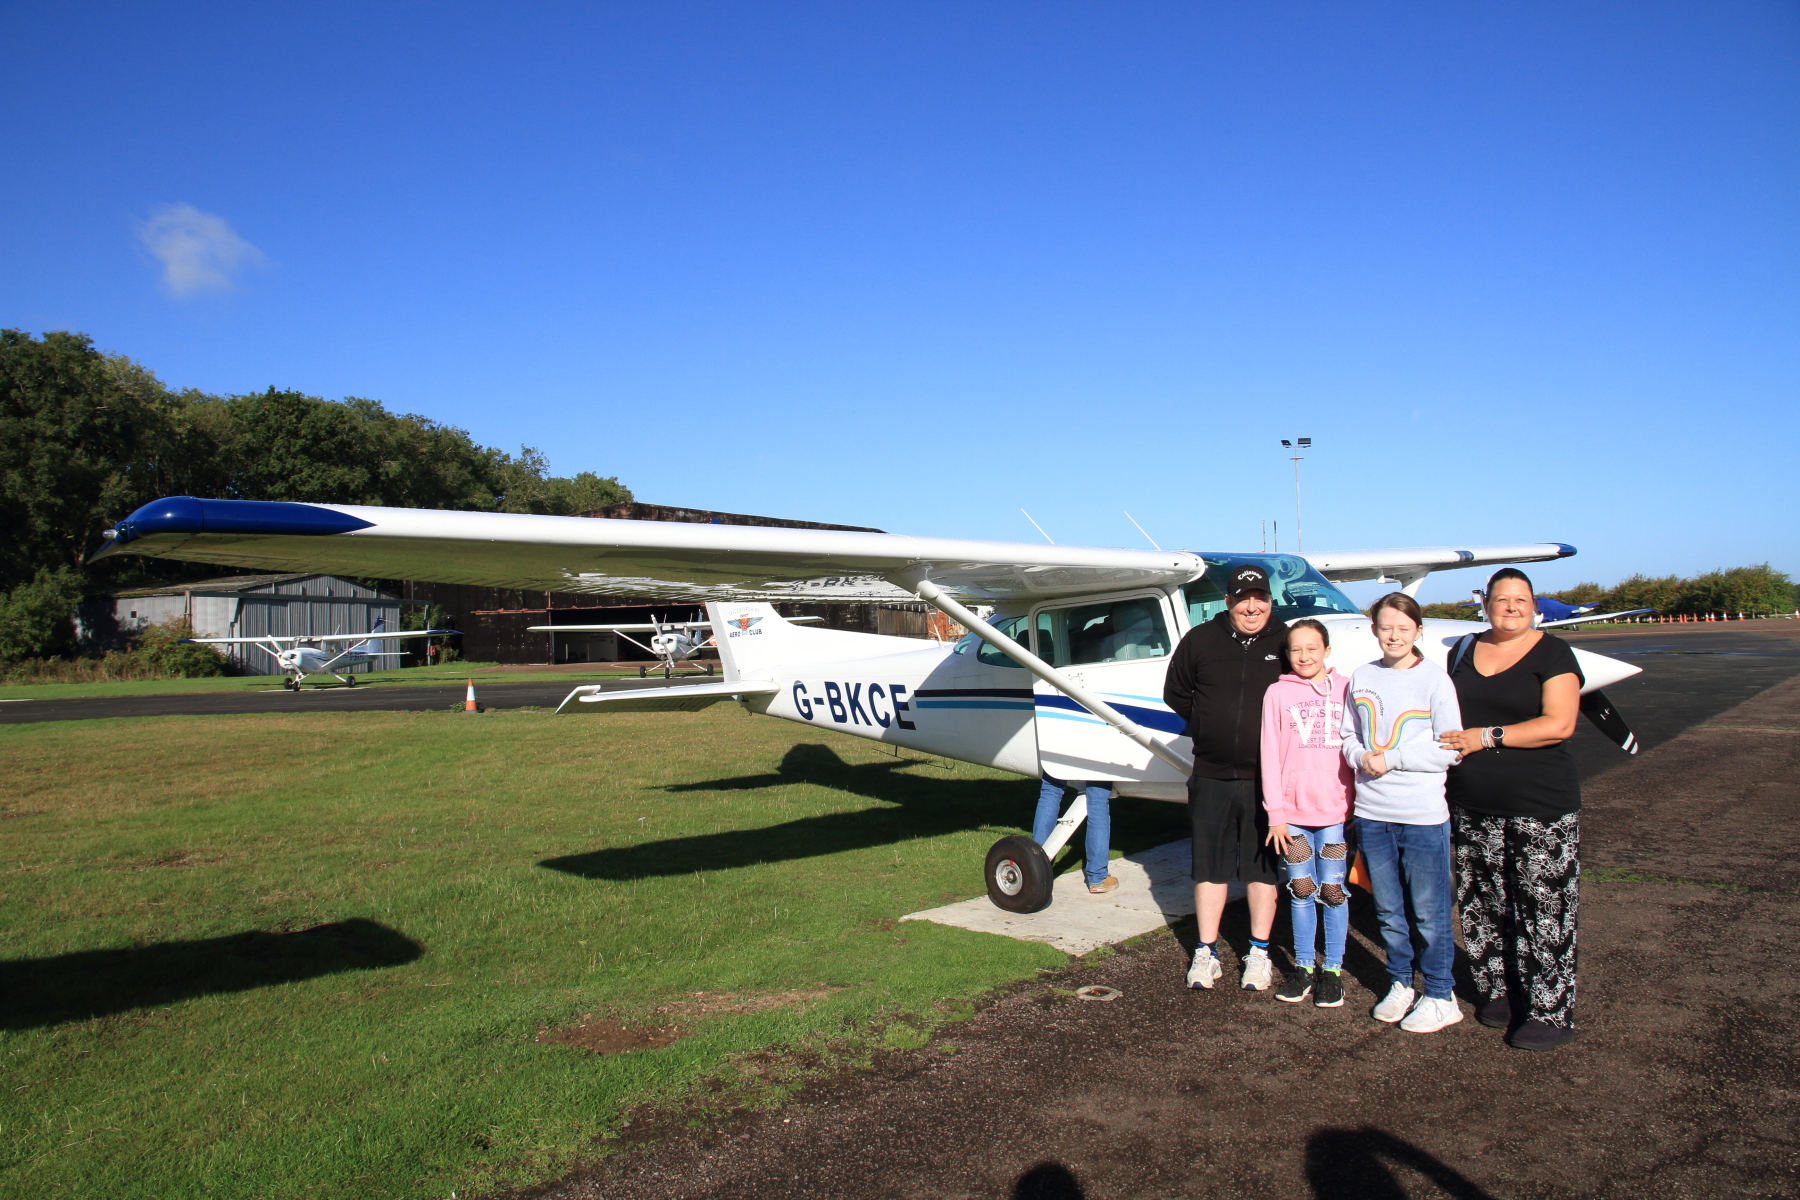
[1247,578]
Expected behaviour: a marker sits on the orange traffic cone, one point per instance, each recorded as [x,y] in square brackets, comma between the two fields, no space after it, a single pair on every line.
[469,703]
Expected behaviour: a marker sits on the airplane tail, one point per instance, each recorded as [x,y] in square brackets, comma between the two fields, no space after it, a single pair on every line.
[754,640]
[374,635]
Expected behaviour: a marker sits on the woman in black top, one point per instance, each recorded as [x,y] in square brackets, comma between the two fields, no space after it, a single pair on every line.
[1515,800]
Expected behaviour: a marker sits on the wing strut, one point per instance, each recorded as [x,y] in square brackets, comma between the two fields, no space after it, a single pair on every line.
[935,596]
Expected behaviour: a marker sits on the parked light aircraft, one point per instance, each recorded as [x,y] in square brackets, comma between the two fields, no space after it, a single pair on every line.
[1554,614]
[301,656]
[1066,677]
[673,644]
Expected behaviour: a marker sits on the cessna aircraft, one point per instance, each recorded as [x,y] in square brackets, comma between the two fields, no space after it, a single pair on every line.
[303,656]
[1554,614]
[673,644]
[1065,678]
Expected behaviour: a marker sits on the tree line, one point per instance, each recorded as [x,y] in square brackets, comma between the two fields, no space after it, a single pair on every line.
[1759,589]
[87,437]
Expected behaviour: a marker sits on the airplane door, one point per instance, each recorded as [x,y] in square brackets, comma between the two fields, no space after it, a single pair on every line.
[1118,647]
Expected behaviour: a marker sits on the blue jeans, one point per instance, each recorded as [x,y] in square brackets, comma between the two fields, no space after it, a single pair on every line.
[1326,878]
[1099,823]
[1410,865]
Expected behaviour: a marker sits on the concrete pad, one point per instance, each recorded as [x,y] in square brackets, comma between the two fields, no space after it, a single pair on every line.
[1154,890]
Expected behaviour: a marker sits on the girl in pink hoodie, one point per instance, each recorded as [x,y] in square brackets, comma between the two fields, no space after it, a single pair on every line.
[1308,791]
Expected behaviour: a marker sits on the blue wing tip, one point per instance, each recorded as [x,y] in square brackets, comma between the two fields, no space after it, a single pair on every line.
[188,514]
[1563,549]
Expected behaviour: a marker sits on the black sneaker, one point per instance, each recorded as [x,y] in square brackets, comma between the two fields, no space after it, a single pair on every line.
[1296,985]
[1496,1013]
[1536,1035]
[1328,990]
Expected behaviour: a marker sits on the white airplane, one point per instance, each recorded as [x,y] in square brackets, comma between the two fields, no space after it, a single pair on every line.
[306,655]
[1066,677]
[671,643]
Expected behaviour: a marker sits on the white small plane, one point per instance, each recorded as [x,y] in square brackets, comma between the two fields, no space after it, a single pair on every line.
[1064,678]
[301,656]
[673,644]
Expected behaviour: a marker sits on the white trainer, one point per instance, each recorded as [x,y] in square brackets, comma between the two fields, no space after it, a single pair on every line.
[1259,973]
[1429,1016]
[1206,969]
[1395,1004]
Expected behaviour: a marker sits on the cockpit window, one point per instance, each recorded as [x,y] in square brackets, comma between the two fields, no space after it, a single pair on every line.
[1296,588]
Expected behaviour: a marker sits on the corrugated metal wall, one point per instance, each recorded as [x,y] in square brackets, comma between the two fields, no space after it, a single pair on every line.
[318,604]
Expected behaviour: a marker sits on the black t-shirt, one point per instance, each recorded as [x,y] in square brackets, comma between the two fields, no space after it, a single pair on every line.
[1511,781]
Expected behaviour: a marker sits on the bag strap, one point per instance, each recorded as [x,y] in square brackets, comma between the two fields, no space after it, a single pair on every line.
[1460,651]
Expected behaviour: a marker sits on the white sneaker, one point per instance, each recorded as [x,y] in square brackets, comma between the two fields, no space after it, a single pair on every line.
[1395,1004]
[1206,969]
[1259,973]
[1429,1016]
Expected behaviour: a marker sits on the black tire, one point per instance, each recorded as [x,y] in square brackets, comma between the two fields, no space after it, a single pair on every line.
[643,672]
[1018,875]
[351,679]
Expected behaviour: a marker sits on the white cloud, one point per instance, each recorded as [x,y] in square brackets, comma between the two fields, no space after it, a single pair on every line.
[199,252]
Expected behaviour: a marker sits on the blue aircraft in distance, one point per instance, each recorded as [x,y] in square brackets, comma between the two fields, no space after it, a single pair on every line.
[1553,614]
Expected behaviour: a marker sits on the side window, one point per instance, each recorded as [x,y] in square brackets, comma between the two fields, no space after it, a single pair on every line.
[1015,628]
[965,643]
[1112,631]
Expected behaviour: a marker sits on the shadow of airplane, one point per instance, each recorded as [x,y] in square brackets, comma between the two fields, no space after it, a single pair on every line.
[1355,1164]
[916,807]
[37,992]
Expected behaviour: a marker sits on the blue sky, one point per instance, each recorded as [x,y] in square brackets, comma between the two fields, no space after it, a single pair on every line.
[1523,272]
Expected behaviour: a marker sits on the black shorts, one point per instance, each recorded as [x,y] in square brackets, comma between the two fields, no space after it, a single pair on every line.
[1229,827]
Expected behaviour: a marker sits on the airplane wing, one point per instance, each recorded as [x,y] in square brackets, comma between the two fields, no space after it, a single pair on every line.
[1419,561]
[645,628]
[673,560]
[379,636]
[1585,619]
[688,698]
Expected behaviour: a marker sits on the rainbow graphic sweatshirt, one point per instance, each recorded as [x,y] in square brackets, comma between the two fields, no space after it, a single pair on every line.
[1401,711]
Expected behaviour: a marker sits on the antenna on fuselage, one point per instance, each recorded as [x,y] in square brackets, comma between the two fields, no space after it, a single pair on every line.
[1142,530]
[1039,528]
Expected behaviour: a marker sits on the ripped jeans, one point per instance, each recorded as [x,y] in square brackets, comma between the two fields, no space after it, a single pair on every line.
[1318,860]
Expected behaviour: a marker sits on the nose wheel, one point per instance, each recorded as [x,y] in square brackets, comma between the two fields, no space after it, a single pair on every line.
[1018,875]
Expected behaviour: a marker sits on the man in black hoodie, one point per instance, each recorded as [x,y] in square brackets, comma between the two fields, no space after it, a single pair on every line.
[1215,683]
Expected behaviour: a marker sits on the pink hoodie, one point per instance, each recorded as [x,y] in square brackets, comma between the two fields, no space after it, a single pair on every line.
[1305,778]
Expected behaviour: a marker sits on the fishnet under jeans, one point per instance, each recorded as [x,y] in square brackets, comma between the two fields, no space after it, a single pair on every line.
[1519,888]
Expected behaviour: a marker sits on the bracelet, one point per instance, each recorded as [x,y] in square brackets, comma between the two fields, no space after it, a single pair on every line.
[1487,738]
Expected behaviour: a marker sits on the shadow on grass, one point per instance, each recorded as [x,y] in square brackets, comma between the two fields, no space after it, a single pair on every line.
[99,983]
[1356,1164]
[919,807]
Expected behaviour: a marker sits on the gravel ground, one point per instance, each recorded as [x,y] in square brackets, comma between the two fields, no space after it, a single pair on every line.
[1684,1081]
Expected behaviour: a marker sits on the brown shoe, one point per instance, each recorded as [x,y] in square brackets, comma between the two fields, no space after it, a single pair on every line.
[1105,885]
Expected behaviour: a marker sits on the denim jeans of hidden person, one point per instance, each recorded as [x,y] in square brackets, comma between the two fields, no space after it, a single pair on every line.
[1409,868]
[1098,826]
[1317,860]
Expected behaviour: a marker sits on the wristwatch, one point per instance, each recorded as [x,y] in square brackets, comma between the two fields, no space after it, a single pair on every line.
[1498,733]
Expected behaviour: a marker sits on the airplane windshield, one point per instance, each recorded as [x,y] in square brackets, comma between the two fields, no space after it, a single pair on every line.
[1297,589]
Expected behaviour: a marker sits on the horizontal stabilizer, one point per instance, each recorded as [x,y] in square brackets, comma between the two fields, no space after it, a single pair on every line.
[592,698]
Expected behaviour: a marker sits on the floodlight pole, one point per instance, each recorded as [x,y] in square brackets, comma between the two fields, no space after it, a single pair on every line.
[1299,527]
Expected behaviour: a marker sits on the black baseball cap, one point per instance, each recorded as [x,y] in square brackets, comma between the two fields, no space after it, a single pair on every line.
[1247,577]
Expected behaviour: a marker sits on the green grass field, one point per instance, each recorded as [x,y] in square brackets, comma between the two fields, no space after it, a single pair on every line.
[312,955]
[406,677]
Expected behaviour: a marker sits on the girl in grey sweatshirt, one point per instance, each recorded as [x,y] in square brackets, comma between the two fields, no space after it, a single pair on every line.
[1395,713]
